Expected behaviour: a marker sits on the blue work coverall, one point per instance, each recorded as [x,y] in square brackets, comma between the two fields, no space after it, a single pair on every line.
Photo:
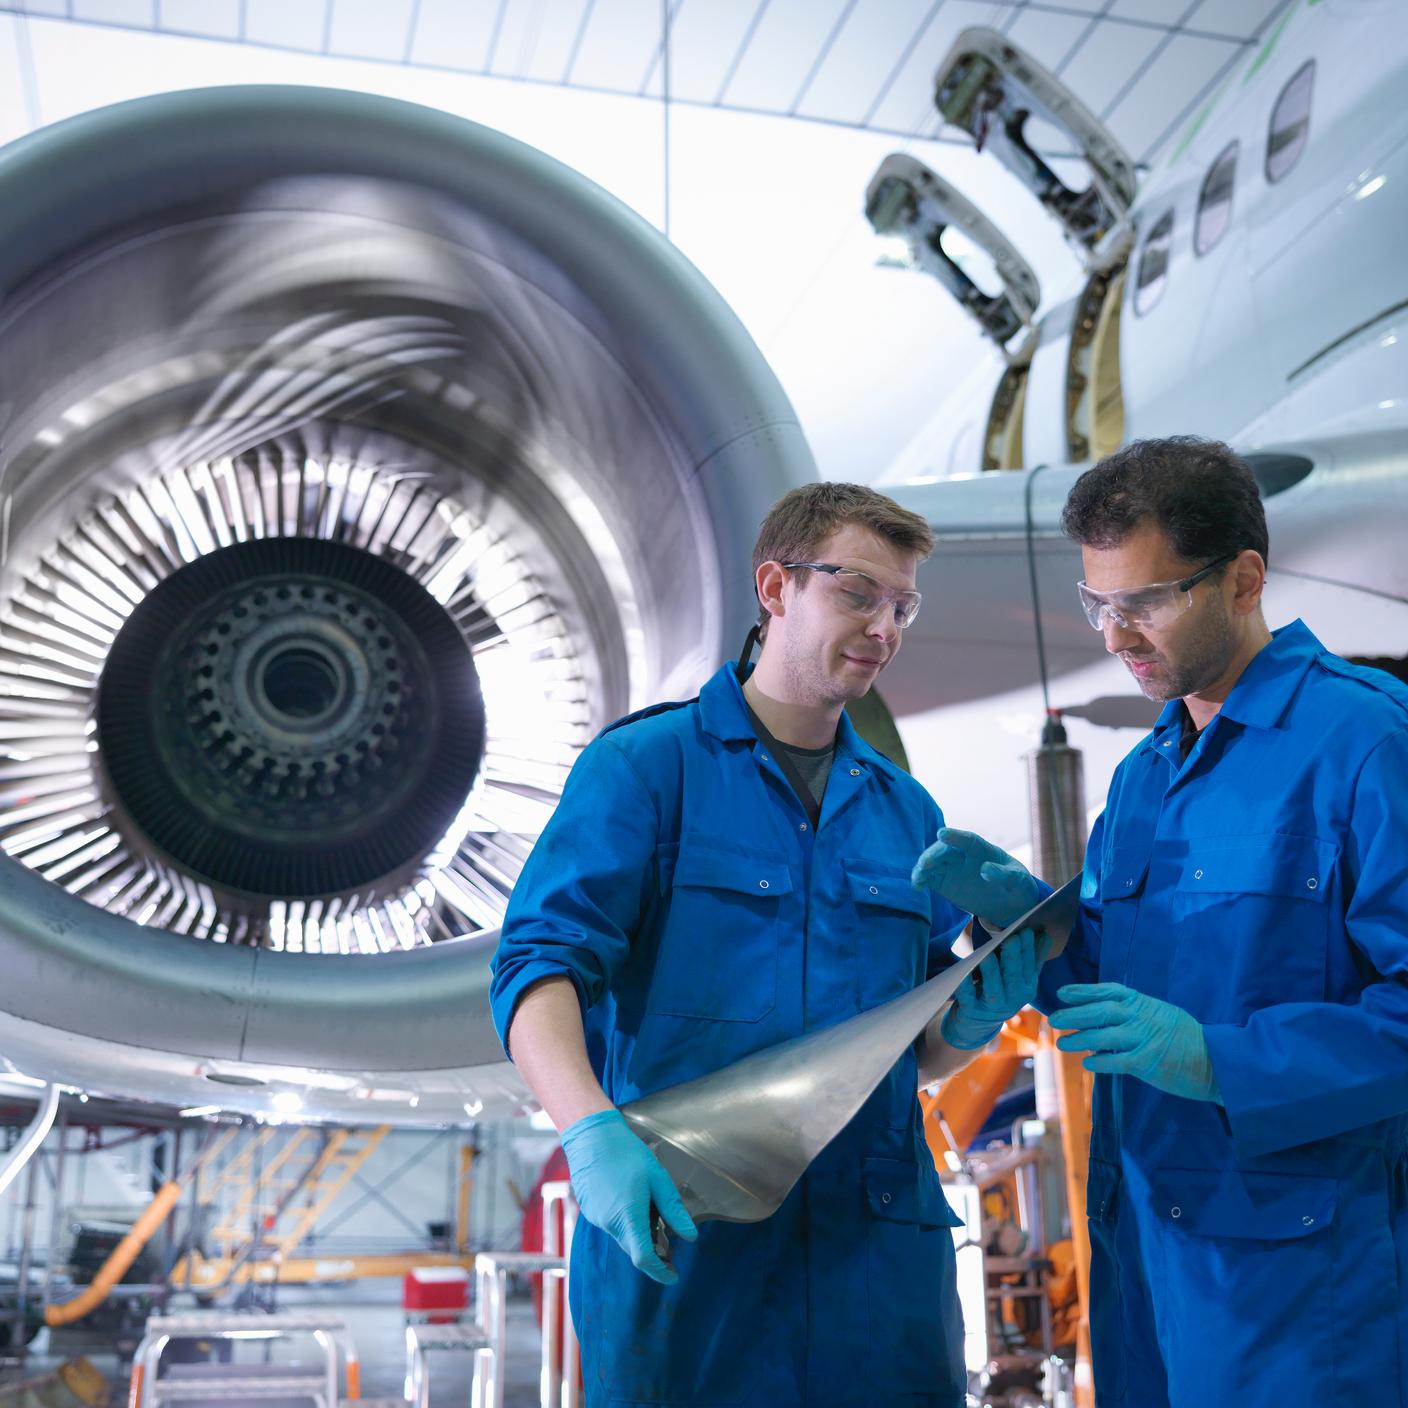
[1255,1253]
[680,886]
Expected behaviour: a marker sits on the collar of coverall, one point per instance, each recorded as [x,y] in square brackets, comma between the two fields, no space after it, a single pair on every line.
[1264,692]
[724,713]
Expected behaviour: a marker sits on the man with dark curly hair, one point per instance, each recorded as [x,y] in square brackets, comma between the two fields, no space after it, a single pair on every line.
[1240,971]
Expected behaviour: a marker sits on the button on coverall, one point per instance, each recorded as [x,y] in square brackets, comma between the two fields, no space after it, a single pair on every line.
[681,888]
[1255,1253]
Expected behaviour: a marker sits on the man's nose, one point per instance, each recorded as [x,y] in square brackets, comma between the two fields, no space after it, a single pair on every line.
[1118,638]
[882,626]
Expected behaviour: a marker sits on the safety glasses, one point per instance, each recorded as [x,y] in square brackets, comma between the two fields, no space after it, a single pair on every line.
[1151,608]
[862,596]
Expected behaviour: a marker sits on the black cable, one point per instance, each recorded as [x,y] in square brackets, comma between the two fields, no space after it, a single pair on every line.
[1036,595]
[746,654]
[1053,732]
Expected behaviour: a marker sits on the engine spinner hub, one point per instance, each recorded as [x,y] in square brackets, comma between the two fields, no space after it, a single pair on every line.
[291,717]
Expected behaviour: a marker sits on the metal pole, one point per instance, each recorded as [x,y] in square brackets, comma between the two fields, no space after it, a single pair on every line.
[56,1211]
[571,1348]
[1057,796]
[17,1336]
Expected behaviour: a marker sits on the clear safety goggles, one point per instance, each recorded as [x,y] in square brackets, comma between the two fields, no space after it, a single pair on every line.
[860,595]
[1151,608]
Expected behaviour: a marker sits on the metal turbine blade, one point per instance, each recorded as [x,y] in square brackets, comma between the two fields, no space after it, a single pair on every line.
[736,1141]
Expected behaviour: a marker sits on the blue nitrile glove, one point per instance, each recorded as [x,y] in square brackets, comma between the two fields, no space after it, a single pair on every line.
[616,1178]
[1130,1034]
[1006,984]
[976,876]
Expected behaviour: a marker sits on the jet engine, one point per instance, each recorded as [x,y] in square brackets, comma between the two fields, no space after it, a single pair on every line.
[357,464]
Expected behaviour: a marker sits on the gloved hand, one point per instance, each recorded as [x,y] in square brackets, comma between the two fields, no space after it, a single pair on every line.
[1133,1035]
[616,1178]
[1006,984]
[976,876]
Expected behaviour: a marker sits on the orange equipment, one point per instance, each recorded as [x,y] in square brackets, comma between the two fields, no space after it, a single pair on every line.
[959,1108]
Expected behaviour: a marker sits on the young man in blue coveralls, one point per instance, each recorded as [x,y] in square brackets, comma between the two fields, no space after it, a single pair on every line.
[722,875]
[1240,974]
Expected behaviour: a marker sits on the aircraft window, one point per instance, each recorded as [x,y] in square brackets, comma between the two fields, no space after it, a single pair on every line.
[1290,123]
[1215,201]
[1153,264]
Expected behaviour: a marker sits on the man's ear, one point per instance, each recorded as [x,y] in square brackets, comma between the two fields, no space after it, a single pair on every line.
[769,580]
[1248,573]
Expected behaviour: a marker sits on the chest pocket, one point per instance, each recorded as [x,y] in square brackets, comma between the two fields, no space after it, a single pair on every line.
[1122,879]
[892,920]
[1268,1207]
[1252,923]
[1288,867]
[717,955]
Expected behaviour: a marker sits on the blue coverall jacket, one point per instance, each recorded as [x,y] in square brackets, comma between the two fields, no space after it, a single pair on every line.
[1254,1254]
[681,888]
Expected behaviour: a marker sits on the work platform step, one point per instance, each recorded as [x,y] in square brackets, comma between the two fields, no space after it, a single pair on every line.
[215,1322]
[235,1389]
[465,1337]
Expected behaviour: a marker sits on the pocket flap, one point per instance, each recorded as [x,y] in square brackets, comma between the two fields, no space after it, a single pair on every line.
[1271,1207]
[1272,864]
[888,889]
[710,868]
[1122,876]
[896,1191]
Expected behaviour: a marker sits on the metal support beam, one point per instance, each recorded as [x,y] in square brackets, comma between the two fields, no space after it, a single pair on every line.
[17,1335]
[56,1209]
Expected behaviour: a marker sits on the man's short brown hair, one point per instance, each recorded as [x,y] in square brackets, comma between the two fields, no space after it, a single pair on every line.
[804,518]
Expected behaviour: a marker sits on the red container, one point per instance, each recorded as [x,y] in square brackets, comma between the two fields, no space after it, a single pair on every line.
[438,1295]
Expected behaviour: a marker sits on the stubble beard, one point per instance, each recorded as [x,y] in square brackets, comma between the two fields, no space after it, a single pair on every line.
[808,678]
[1202,659]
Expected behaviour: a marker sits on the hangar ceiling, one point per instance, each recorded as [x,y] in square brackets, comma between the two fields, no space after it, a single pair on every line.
[1143,65]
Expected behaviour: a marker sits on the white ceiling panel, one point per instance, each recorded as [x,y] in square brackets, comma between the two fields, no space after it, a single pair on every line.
[218,18]
[704,40]
[545,49]
[911,95]
[371,31]
[1165,13]
[14,121]
[616,49]
[515,36]
[44,7]
[1174,81]
[537,38]
[873,39]
[128,12]
[452,34]
[781,53]
[1105,62]
[290,24]
[1048,35]
[1241,19]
